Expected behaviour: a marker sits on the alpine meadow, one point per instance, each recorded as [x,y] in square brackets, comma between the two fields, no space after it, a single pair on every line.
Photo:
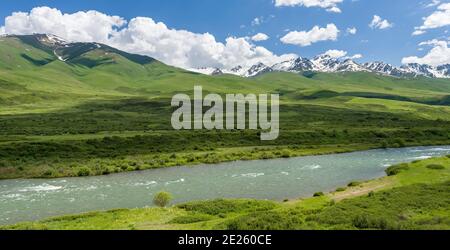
[92,130]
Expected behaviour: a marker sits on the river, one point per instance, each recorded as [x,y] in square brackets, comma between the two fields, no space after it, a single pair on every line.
[33,199]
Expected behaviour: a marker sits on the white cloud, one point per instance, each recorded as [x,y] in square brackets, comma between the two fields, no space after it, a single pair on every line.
[2,30]
[439,18]
[257,21]
[329,5]
[143,35]
[379,23]
[260,37]
[316,34]
[352,30]
[261,20]
[336,53]
[438,55]
[433,42]
[418,32]
[356,56]
[80,26]
[433,3]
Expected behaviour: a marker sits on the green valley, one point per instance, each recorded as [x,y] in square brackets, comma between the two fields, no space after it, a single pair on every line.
[90,109]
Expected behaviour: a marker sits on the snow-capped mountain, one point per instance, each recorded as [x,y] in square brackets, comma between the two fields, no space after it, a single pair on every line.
[349,65]
[258,69]
[384,68]
[294,65]
[326,63]
[52,40]
[208,71]
[443,70]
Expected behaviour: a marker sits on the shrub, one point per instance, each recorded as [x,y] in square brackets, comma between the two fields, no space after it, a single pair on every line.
[319,194]
[224,206]
[189,219]
[161,199]
[354,184]
[435,166]
[266,220]
[368,222]
[341,189]
[84,171]
[106,171]
[400,143]
[285,153]
[394,170]
[48,173]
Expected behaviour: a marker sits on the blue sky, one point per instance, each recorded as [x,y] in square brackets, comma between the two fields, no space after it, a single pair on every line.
[234,18]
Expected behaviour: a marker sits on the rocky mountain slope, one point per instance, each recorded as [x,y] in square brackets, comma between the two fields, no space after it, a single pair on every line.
[328,64]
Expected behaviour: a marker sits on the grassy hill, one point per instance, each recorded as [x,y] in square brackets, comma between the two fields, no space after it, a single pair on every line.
[414,196]
[91,109]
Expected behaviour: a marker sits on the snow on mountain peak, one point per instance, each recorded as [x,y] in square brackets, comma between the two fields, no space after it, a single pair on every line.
[329,64]
[52,40]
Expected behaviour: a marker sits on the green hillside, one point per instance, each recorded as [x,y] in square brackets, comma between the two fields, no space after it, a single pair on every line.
[89,109]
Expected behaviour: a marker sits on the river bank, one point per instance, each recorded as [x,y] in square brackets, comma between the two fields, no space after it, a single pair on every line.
[262,179]
[60,168]
[418,192]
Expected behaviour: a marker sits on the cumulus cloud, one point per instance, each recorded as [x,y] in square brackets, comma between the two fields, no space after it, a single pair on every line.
[2,30]
[80,26]
[438,19]
[338,54]
[352,30]
[316,34]
[418,32]
[356,56]
[433,3]
[333,53]
[260,37]
[438,55]
[379,23]
[329,5]
[143,35]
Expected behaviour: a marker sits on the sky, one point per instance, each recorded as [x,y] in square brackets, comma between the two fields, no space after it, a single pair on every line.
[225,33]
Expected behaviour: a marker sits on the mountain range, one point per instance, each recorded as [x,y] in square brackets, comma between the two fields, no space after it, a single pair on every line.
[67,51]
[328,64]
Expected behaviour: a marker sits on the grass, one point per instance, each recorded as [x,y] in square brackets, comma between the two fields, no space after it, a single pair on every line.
[414,198]
[105,111]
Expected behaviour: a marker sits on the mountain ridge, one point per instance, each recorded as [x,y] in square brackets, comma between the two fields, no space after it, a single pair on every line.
[328,64]
[66,51]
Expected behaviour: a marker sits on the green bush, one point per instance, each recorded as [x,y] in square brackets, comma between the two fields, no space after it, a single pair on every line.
[435,166]
[394,170]
[161,199]
[84,171]
[266,220]
[192,218]
[341,189]
[319,194]
[368,222]
[224,206]
[286,153]
[354,184]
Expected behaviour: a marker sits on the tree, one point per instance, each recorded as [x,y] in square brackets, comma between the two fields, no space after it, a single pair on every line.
[161,199]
